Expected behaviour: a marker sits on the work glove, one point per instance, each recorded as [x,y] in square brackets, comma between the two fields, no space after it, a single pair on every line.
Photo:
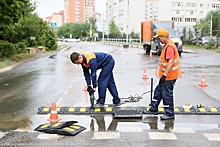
[162,79]
[90,89]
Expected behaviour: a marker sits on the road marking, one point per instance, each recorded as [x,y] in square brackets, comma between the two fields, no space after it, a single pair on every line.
[162,135]
[74,81]
[182,130]
[106,135]
[133,129]
[66,92]
[70,86]
[59,101]
[213,136]
[49,136]
[2,134]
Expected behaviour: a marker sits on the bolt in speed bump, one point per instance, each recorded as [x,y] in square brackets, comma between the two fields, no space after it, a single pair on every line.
[53,114]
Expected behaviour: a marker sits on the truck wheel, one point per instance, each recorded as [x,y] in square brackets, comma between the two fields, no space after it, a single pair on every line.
[180,53]
[148,47]
[158,53]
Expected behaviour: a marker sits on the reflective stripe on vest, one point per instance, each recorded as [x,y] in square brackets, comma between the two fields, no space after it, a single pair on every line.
[176,70]
[88,57]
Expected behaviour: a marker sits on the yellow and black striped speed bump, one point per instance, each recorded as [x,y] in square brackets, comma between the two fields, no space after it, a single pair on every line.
[62,128]
[46,110]
[112,110]
[207,110]
[105,110]
[77,110]
[177,110]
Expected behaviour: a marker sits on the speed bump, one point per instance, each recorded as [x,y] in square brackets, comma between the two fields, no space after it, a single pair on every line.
[62,128]
[177,110]
[70,130]
[207,110]
[58,125]
[111,110]
[47,109]
[105,110]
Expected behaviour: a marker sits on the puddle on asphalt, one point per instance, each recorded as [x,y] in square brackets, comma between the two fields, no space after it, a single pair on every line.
[12,122]
[101,123]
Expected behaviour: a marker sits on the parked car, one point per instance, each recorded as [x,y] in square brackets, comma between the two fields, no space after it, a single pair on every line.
[205,40]
[197,41]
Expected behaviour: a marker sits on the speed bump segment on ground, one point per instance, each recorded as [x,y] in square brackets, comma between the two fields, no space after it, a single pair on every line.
[207,110]
[112,110]
[177,110]
[62,128]
[47,109]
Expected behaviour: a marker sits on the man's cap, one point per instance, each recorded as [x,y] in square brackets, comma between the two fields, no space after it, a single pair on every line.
[162,32]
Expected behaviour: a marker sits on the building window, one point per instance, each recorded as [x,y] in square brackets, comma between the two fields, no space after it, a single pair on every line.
[177,4]
[201,5]
[191,4]
[177,12]
[190,19]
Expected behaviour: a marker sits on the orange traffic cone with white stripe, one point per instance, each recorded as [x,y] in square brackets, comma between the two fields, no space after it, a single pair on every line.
[203,82]
[53,114]
[85,88]
[145,74]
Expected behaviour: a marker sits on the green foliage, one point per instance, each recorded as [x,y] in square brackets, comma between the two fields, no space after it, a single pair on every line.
[22,56]
[21,47]
[114,31]
[211,44]
[7,49]
[202,28]
[49,40]
[10,12]
[77,30]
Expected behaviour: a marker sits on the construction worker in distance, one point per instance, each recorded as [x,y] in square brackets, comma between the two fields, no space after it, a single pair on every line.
[90,63]
[169,69]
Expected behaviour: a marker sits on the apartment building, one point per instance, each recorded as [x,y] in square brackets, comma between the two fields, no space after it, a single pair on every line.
[185,13]
[79,11]
[128,14]
[57,17]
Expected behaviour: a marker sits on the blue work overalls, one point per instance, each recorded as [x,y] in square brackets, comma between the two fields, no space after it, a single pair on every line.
[106,63]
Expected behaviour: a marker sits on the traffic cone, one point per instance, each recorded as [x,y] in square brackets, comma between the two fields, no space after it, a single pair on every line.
[145,74]
[150,54]
[85,88]
[53,114]
[203,82]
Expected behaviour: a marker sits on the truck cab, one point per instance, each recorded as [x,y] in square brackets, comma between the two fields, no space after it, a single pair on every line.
[157,47]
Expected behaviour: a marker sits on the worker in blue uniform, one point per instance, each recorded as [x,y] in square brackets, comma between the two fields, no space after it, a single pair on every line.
[90,63]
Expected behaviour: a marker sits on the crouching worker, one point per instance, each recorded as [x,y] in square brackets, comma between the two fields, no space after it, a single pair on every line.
[90,63]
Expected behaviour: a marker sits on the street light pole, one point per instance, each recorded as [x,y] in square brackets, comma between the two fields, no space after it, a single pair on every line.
[127,23]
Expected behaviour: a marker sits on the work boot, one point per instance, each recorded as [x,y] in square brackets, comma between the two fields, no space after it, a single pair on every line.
[165,117]
[120,103]
[97,105]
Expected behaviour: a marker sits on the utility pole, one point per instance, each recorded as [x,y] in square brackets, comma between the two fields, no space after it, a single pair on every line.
[127,23]
[103,29]
[211,26]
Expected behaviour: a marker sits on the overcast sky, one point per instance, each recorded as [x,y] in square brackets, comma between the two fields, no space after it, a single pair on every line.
[47,7]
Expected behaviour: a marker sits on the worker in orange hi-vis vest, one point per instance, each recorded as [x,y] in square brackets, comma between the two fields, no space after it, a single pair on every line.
[168,71]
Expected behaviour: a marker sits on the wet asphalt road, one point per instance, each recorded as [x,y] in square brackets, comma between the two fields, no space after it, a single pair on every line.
[52,78]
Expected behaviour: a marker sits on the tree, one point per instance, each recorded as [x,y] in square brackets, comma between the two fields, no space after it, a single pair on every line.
[203,27]
[10,13]
[114,31]
[77,30]
[49,40]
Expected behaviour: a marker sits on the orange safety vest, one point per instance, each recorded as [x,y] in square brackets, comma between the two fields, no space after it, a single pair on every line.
[176,70]
[88,57]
